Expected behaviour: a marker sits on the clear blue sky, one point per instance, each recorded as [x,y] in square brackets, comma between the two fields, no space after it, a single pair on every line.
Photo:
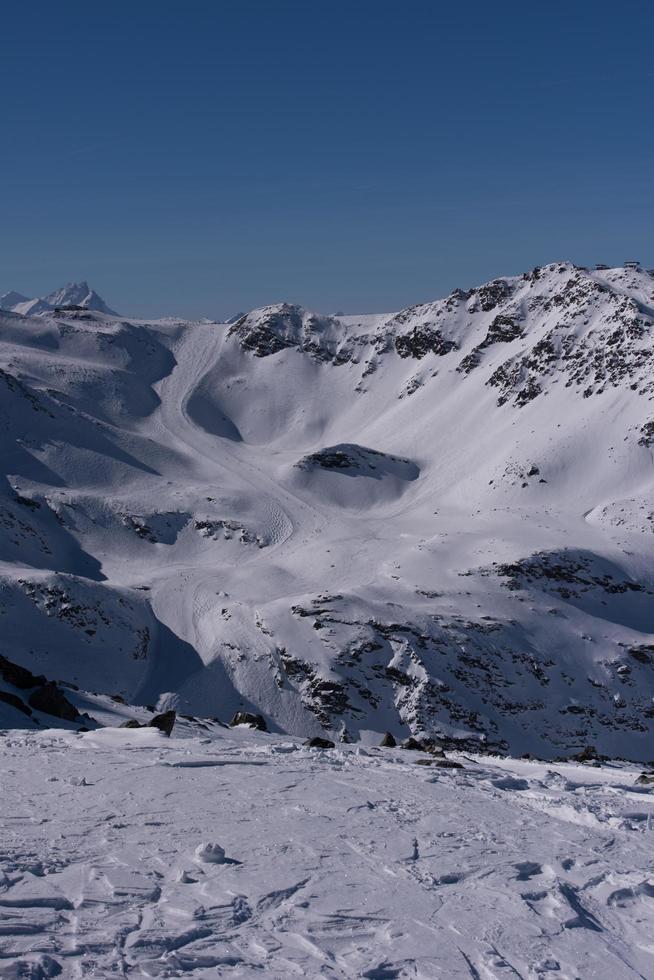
[203,157]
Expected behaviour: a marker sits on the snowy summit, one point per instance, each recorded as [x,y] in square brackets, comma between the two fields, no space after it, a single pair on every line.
[73,294]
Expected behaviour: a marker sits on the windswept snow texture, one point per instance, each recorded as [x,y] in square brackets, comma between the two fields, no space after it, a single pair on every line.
[238,854]
[438,521]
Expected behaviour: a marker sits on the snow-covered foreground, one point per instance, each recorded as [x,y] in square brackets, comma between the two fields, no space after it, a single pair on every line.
[351,862]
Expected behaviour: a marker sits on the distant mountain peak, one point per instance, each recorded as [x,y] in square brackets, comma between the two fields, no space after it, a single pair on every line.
[72,294]
[78,294]
[11,299]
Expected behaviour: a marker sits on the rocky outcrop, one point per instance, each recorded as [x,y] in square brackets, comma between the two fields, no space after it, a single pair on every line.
[52,701]
[12,699]
[422,340]
[19,676]
[164,722]
[317,742]
[249,719]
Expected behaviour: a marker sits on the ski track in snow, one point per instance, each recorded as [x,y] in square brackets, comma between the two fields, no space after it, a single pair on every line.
[346,863]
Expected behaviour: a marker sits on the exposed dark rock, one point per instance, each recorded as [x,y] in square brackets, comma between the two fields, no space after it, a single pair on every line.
[646,779]
[360,460]
[15,702]
[265,332]
[573,570]
[247,718]
[131,723]
[52,701]
[447,764]
[328,697]
[388,741]
[432,746]
[643,654]
[492,294]
[164,722]
[647,435]
[588,754]
[413,743]
[262,338]
[19,676]
[334,459]
[502,330]
[317,742]
[423,340]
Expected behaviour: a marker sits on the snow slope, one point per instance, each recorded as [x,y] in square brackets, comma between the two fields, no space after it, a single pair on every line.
[238,854]
[437,521]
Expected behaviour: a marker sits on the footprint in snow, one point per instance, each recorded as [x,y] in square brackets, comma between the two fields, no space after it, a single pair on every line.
[510,782]
[527,870]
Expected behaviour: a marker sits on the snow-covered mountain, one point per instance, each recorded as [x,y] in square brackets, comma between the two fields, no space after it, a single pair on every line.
[72,294]
[436,521]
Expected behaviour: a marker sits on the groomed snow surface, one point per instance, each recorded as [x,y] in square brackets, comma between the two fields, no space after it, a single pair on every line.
[223,853]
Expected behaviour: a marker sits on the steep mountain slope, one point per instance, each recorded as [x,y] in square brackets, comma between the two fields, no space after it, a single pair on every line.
[435,521]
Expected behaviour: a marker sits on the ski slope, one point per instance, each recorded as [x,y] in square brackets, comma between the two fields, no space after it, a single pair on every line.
[435,522]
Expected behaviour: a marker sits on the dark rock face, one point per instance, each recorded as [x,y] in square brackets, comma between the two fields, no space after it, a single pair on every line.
[355,460]
[323,697]
[588,754]
[432,746]
[413,743]
[131,723]
[613,350]
[570,574]
[647,435]
[317,742]
[15,702]
[247,718]
[52,701]
[388,741]
[332,459]
[643,654]
[422,340]
[502,330]
[164,722]
[18,676]
[447,764]
[273,329]
[264,338]
[646,779]
[492,294]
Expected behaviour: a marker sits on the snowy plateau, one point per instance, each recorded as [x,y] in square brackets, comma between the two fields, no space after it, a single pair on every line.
[435,525]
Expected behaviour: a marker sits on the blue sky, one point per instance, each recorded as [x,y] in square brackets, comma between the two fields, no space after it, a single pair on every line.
[204,157]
